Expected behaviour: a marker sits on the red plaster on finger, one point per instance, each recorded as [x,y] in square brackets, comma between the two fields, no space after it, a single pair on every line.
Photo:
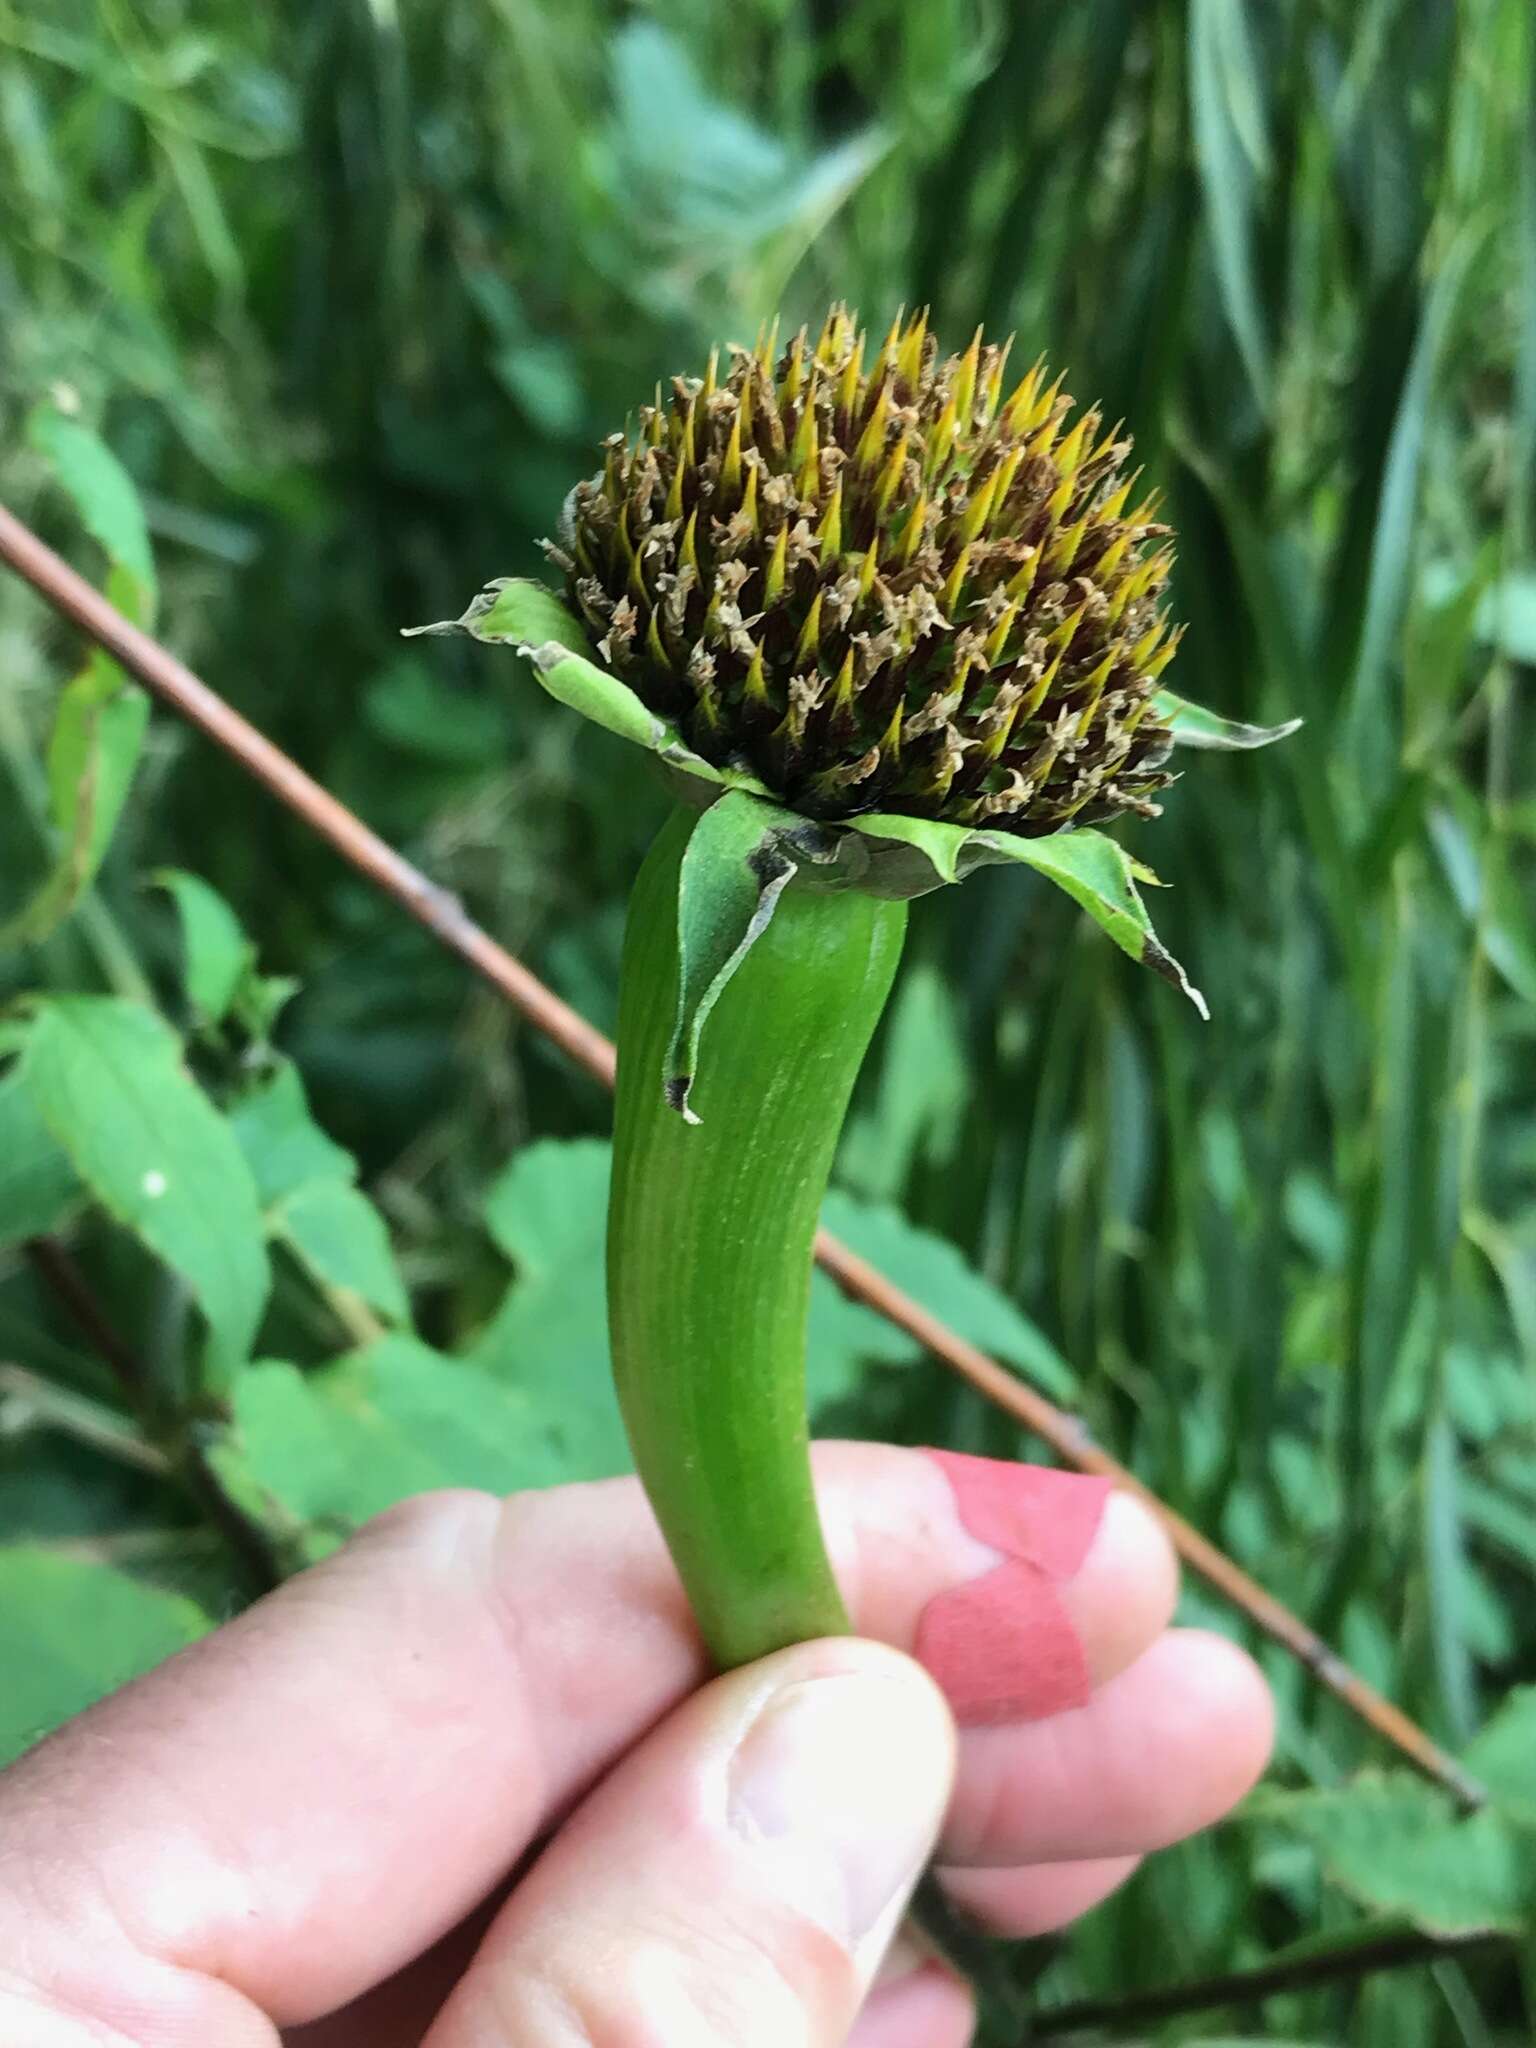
[1003,1647]
[1048,1517]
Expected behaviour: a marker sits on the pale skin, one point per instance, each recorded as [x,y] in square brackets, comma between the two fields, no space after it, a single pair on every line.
[467,1785]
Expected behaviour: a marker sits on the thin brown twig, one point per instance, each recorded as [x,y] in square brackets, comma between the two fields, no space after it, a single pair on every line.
[445,917]
[1247,1987]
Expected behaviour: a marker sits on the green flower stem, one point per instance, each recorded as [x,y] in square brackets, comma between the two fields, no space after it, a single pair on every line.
[710,1236]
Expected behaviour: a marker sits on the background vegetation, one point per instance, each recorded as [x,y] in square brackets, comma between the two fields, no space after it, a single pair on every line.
[351,290]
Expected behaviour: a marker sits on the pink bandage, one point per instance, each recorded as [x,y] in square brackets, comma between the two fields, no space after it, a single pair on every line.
[1003,1647]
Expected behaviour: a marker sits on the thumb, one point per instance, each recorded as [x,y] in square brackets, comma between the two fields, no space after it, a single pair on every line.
[735,1882]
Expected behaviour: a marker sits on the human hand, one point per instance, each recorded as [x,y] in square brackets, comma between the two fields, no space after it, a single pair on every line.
[311,1821]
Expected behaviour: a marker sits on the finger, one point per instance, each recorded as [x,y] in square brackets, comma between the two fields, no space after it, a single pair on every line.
[924,2006]
[317,1793]
[398,2012]
[1019,1904]
[1159,1752]
[738,1878]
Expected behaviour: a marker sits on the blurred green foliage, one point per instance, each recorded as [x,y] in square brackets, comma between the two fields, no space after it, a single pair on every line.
[311,315]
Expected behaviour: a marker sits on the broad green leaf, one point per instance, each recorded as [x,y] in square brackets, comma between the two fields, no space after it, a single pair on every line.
[312,1455]
[1194,726]
[103,492]
[548,1212]
[72,1631]
[283,1145]
[548,1208]
[1100,875]
[1397,1846]
[739,859]
[933,1272]
[549,1338]
[1503,1757]
[339,1235]
[217,952]
[843,1340]
[38,1186]
[108,1079]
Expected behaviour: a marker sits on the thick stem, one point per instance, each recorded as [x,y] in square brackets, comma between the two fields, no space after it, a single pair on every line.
[710,1230]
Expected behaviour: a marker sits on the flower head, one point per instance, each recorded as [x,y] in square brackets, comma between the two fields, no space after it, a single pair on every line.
[880,625]
[885,581]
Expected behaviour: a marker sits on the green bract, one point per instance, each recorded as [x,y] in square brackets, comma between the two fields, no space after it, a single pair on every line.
[753,847]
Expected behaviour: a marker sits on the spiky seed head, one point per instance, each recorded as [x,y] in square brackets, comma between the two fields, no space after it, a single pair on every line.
[902,588]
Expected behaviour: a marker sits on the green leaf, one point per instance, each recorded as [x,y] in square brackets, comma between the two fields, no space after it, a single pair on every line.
[1099,874]
[70,1632]
[910,856]
[94,749]
[101,717]
[1228,137]
[915,1111]
[108,1079]
[283,1145]
[548,1212]
[740,857]
[1393,541]
[1397,1846]
[1194,726]
[218,953]
[38,1186]
[514,612]
[935,1273]
[1446,1571]
[843,1340]
[549,1336]
[313,1455]
[338,1234]
[524,615]
[1503,1757]
[103,492]
[899,857]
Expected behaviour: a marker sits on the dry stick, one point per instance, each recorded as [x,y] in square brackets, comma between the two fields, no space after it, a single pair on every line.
[444,916]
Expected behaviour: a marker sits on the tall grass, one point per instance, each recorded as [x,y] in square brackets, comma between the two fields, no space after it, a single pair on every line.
[353,290]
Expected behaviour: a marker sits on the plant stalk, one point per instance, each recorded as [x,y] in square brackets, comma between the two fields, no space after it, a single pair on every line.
[710,1234]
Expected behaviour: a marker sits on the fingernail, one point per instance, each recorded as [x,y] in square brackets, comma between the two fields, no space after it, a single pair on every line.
[844,1780]
[1003,1647]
